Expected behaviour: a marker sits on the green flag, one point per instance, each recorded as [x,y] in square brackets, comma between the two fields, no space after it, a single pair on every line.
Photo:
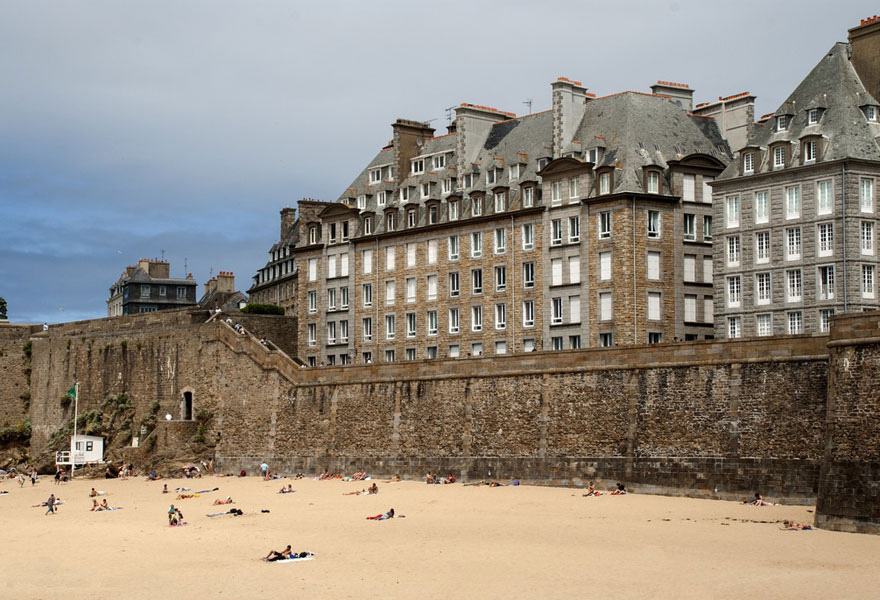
[71,393]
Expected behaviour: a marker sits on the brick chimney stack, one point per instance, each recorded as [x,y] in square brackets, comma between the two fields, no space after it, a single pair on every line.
[681,93]
[864,43]
[288,217]
[225,281]
[569,103]
[409,138]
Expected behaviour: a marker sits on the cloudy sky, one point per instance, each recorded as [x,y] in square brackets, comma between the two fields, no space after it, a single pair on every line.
[129,128]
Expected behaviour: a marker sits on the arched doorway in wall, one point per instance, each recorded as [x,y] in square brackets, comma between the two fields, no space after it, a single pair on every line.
[186,405]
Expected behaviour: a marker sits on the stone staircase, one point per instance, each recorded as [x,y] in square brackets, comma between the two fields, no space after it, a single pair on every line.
[269,357]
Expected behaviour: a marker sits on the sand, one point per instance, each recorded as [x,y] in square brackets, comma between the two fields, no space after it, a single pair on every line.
[454,542]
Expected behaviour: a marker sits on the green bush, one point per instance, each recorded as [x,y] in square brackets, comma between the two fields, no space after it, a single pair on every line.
[20,433]
[27,350]
[262,309]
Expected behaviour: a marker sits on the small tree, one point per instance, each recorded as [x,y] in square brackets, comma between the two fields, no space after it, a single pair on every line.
[2,308]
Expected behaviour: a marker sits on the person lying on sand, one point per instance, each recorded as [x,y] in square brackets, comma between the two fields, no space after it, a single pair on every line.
[395,479]
[592,491]
[286,490]
[359,475]
[186,496]
[275,555]
[792,526]
[357,493]
[55,502]
[218,502]
[759,501]
[383,516]
[620,491]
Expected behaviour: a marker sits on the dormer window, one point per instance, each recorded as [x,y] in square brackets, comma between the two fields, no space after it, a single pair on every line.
[391,221]
[375,175]
[382,198]
[652,182]
[313,234]
[447,185]
[779,157]
[781,122]
[426,191]
[500,202]
[332,233]
[812,116]
[411,218]
[748,163]
[490,177]
[362,202]
[809,151]
[404,194]
[871,113]
[368,226]
[476,206]
[468,181]
[440,162]
[418,166]
[593,155]
[453,211]
[542,162]
[605,183]
[513,172]
[528,197]
[433,214]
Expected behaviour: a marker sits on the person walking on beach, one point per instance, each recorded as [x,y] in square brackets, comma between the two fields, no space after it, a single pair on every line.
[264,470]
[33,477]
[51,504]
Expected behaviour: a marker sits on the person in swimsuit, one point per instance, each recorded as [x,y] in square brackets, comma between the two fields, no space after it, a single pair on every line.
[383,516]
[275,555]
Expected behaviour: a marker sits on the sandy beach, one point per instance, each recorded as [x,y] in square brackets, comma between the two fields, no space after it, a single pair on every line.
[452,541]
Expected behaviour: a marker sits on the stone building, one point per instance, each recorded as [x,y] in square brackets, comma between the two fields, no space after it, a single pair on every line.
[148,287]
[586,225]
[220,293]
[275,283]
[797,209]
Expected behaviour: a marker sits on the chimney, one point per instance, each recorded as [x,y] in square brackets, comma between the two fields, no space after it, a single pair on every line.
[210,285]
[681,93]
[144,265]
[225,281]
[409,139]
[160,269]
[472,126]
[569,102]
[130,269]
[864,42]
[288,217]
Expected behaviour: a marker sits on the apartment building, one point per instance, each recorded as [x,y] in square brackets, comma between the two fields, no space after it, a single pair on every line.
[586,225]
[148,287]
[797,208]
[276,282]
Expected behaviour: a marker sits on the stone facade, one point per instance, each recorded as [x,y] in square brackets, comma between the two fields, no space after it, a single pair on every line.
[148,287]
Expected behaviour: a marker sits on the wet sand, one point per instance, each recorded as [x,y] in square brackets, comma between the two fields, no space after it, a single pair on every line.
[454,542]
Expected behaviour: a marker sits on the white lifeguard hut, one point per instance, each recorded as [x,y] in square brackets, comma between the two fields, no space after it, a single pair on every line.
[83,449]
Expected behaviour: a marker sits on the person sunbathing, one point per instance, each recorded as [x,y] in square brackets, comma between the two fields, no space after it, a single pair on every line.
[359,475]
[357,493]
[620,491]
[325,475]
[286,490]
[429,478]
[93,493]
[792,526]
[185,496]
[383,516]
[450,478]
[759,501]
[104,505]
[218,502]
[275,555]
[95,505]
[373,489]
[395,479]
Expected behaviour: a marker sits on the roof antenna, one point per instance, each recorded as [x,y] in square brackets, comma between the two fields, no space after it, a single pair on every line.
[163,254]
[529,104]
[185,267]
[449,114]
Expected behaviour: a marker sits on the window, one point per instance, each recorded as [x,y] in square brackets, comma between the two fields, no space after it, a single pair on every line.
[606,340]
[477,349]
[468,181]
[367,293]
[433,214]
[181,292]
[653,182]
[825,315]
[604,266]
[490,177]
[574,342]
[871,113]
[389,356]
[593,155]
[529,275]
[313,301]
[574,269]
[454,285]
[556,311]
[867,281]
[654,306]
[556,193]
[734,291]
[454,320]
[654,224]
[411,218]
[826,239]
[824,197]
[690,227]
[690,308]
[375,175]
[809,151]
[368,225]
[313,334]
[313,235]
[382,198]
[331,299]
[556,271]
[707,189]
[867,238]
[653,265]
[528,236]
[812,116]
[732,250]
[477,281]
[605,183]
[734,327]
[762,247]
[367,329]
[573,189]
[453,211]
[432,252]
[391,221]
[163,291]
[781,123]
[732,213]
[332,232]
[556,232]
[688,188]
[792,202]
[501,347]
[527,195]
[654,337]
[418,166]
[762,289]
[528,313]
[476,244]
[431,352]
[476,318]
[390,255]
[313,269]
[331,267]
[795,288]
[690,268]
[500,316]
[500,278]
[410,290]
[390,292]
[476,206]
[778,157]
[605,224]
[574,309]
[606,307]
[793,243]
[389,327]
[825,283]
[431,317]
[762,207]
[707,269]
[410,353]
[411,255]
[432,287]
[145,291]
[707,228]
[440,161]
[343,265]
[500,202]
[574,229]
[343,332]
[795,322]
[453,247]
[866,195]
[362,202]
[764,324]
[748,163]
[500,240]
[708,309]
[513,172]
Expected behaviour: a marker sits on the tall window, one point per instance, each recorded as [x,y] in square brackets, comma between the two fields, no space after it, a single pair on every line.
[454,320]
[688,188]
[732,211]
[690,227]
[476,318]
[527,197]
[390,255]
[763,293]
[453,247]
[574,229]
[653,182]
[654,224]
[792,202]
[476,244]
[313,334]
[573,189]
[367,329]
[367,293]
[762,207]
[604,266]
[690,308]
[690,267]
[556,193]
[764,324]
[606,308]
[476,206]
[795,287]
[867,281]
[866,195]
[528,313]
[748,163]
[431,318]
[605,224]
[653,265]
[809,151]
[733,250]
[529,275]
[390,292]
[707,228]
[826,282]
[500,202]
[779,157]
[389,327]
[605,183]
[500,278]
[410,290]
[793,243]
[826,239]
[795,322]
[313,301]
[432,252]
[477,281]
[453,211]
[734,291]
[867,238]
[555,271]
[528,236]
[762,247]
[556,311]
[824,197]
[654,310]
[500,240]
[454,285]
[825,315]
[411,255]
[500,316]
[556,232]
[574,269]
[734,327]
[432,287]
[381,198]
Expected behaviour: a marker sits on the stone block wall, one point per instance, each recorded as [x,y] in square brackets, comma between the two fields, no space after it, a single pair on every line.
[14,373]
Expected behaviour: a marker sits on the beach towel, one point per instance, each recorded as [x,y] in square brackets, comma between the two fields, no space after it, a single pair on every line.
[180,525]
[297,559]
[217,514]
[207,491]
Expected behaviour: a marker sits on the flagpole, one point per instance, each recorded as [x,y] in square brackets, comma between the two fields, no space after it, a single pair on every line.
[75,418]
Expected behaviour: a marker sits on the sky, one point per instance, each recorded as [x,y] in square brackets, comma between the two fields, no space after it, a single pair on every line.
[129,129]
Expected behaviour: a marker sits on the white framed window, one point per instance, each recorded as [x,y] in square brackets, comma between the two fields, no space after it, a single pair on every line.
[606,306]
[490,177]
[871,113]
[866,195]
[391,221]
[468,181]
[762,206]
[732,211]
[513,172]
[733,247]
[824,197]
[390,327]
[748,163]
[343,264]
[454,320]
[793,202]
[764,324]
[432,287]
[500,316]
[825,282]
[690,308]
[367,329]
[411,218]
[605,225]
[763,291]
[653,182]
[476,206]
[500,278]
[689,188]
[690,268]
[313,301]
[500,202]
[477,281]
[556,193]
[313,334]
[653,224]
[604,266]
[447,186]
[653,265]
[779,157]
[375,175]
[734,327]
[410,290]
[690,227]
[795,285]
[572,189]
[313,269]
[476,318]
[368,225]
[528,275]
[331,228]
[707,189]
[781,123]
[432,252]
[313,235]
[343,332]
[362,202]
[809,151]
[574,229]
[734,291]
[431,318]
[163,291]
[825,234]
[606,339]
[417,166]
[367,294]
[793,243]
[477,349]
[411,250]
[331,299]
[433,214]
[707,228]
[528,236]
[654,306]
[708,309]
[382,198]
[556,271]
[795,322]
[500,240]
[390,356]
[453,211]
[390,291]
[331,267]
[867,281]
[454,284]
[501,347]
[762,247]
[825,315]
[605,183]
[556,232]
[556,311]
[439,162]
[866,236]
[528,198]
[574,269]
[476,244]
[574,309]
[390,254]
[452,247]
[528,313]
[812,116]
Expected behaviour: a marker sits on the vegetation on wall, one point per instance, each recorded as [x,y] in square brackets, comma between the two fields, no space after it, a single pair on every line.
[2,308]
[262,309]
[19,434]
